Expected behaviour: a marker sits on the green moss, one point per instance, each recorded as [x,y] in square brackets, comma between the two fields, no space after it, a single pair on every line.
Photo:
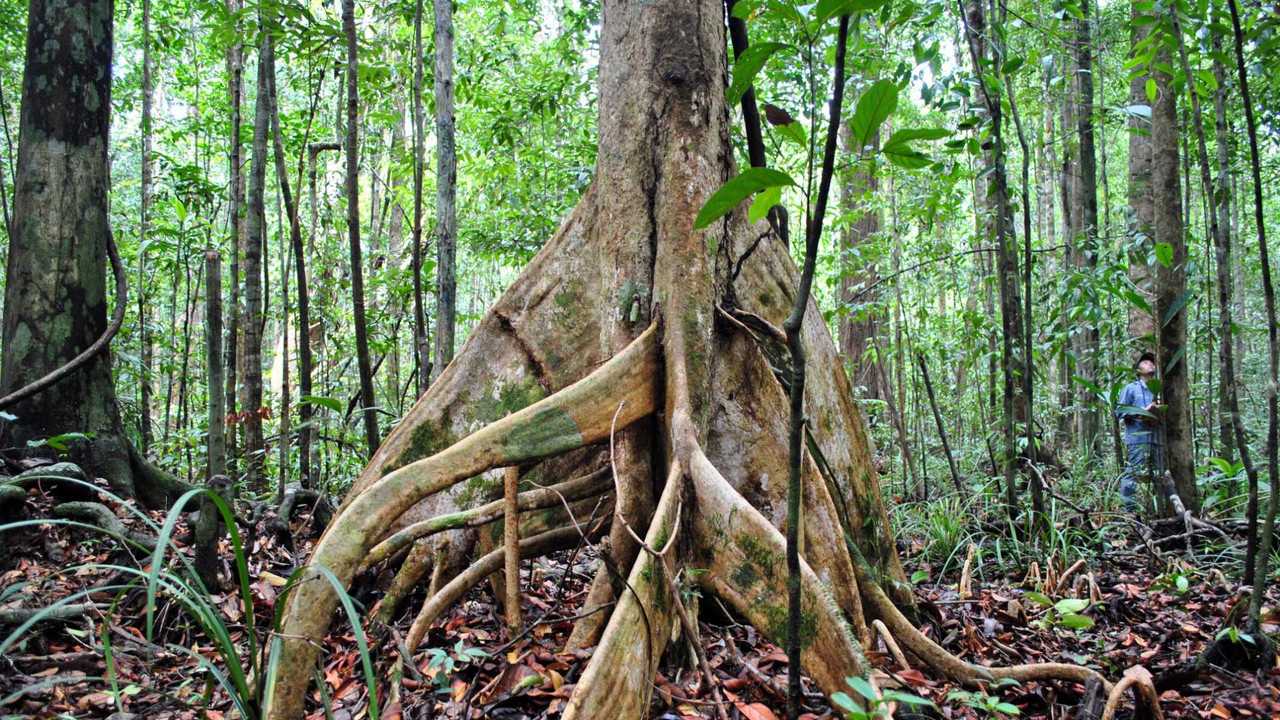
[480,488]
[776,622]
[494,404]
[745,575]
[426,440]
[757,554]
[549,432]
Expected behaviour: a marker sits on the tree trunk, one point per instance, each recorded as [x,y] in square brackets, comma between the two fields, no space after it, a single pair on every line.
[446,190]
[55,303]
[206,530]
[1142,324]
[235,206]
[421,349]
[937,419]
[251,318]
[367,401]
[1222,245]
[860,325]
[1085,242]
[144,222]
[1171,287]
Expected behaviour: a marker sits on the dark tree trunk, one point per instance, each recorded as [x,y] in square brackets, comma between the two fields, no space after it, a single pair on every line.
[251,319]
[235,88]
[1222,245]
[1085,242]
[144,223]
[367,402]
[55,288]
[421,344]
[860,326]
[937,419]
[207,528]
[446,189]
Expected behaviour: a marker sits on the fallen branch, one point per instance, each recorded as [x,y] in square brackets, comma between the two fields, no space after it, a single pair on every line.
[74,611]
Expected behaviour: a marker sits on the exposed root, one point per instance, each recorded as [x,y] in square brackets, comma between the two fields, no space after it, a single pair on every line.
[618,679]
[743,554]
[511,547]
[100,515]
[1144,692]
[576,416]
[537,499]
[891,644]
[453,591]
[416,565]
[939,660]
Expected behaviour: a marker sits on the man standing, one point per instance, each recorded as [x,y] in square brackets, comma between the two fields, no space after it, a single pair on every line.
[1138,411]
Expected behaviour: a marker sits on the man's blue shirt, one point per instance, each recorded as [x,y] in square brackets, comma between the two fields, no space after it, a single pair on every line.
[1137,429]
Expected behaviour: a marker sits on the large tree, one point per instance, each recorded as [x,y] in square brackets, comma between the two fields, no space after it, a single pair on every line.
[55,304]
[633,326]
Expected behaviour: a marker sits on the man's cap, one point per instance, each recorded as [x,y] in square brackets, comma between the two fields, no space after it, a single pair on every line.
[1149,356]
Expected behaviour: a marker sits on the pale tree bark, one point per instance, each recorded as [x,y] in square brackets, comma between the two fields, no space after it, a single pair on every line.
[55,303]
[235,215]
[368,403]
[206,530]
[1171,287]
[568,360]
[1141,215]
[1222,199]
[251,319]
[860,328]
[446,190]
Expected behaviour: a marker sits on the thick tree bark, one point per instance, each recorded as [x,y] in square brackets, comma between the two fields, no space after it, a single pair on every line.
[367,401]
[1171,287]
[55,301]
[446,189]
[251,320]
[1227,411]
[206,530]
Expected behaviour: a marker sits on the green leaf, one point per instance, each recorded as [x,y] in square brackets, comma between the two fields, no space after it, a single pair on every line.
[906,135]
[827,9]
[794,131]
[1152,92]
[844,702]
[1007,708]
[874,107]
[1176,307]
[863,688]
[908,159]
[749,181]
[1164,254]
[1182,583]
[333,404]
[919,576]
[1076,622]
[1039,599]
[1070,605]
[747,66]
[765,200]
[907,698]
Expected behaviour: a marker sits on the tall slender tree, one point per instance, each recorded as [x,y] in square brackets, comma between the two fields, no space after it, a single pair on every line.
[369,408]
[1085,242]
[235,216]
[421,344]
[144,227]
[446,189]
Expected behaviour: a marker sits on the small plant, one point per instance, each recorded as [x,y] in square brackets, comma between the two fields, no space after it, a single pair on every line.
[444,663]
[1175,580]
[1063,613]
[873,705]
[986,704]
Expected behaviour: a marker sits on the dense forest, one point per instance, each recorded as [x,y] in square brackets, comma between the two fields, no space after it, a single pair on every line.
[717,359]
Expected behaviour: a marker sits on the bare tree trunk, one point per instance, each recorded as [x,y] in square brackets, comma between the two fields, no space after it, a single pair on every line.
[446,189]
[144,222]
[860,325]
[1221,193]
[235,88]
[1142,325]
[367,401]
[251,320]
[207,528]
[1171,285]
[55,303]
[937,419]
[421,348]
[1085,243]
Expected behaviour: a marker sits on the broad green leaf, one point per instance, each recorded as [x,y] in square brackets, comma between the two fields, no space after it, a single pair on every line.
[1007,708]
[1071,605]
[333,404]
[1076,622]
[863,688]
[874,107]
[749,181]
[747,66]
[908,159]
[1172,311]
[906,135]
[1164,254]
[1152,92]
[827,9]
[794,131]
[765,199]
[1039,599]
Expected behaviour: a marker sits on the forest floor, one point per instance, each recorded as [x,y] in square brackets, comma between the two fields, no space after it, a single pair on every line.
[1156,612]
